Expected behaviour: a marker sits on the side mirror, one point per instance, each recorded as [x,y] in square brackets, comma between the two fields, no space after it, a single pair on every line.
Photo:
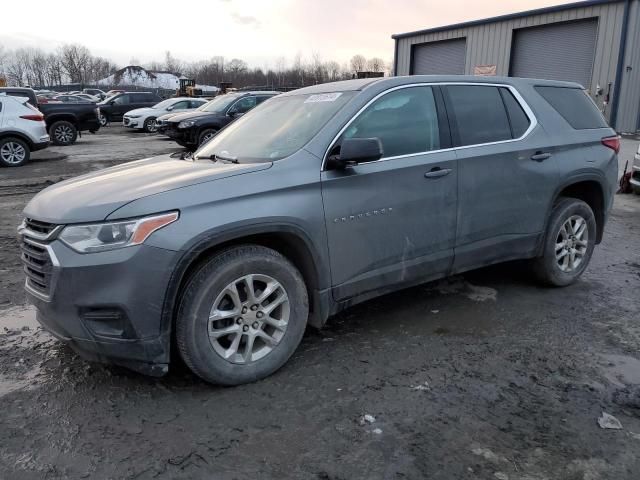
[169,108]
[357,150]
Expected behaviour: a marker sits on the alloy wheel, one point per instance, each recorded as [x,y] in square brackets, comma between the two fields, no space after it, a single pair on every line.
[13,153]
[571,243]
[249,318]
[63,134]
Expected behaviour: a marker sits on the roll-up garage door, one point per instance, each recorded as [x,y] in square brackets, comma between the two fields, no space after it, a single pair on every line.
[439,58]
[556,52]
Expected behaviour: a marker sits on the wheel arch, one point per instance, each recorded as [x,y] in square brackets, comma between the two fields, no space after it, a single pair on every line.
[50,121]
[590,188]
[19,135]
[289,240]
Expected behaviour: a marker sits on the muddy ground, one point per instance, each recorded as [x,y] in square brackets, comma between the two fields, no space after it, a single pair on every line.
[482,376]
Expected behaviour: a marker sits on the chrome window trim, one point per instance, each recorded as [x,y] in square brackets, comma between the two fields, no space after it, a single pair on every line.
[533,121]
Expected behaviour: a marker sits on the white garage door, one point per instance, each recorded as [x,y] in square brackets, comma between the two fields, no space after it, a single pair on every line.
[439,58]
[556,52]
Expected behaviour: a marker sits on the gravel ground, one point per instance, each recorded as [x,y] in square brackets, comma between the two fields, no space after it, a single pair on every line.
[481,376]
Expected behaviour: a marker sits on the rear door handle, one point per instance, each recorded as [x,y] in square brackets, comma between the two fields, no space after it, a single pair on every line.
[540,156]
[437,172]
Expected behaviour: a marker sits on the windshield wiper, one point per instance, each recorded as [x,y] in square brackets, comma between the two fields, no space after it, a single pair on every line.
[216,157]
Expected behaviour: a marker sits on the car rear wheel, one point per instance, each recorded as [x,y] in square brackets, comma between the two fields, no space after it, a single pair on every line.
[206,135]
[63,133]
[13,152]
[569,243]
[242,315]
[150,125]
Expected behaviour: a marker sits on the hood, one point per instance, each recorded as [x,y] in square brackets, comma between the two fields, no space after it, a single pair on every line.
[167,116]
[94,196]
[195,116]
[140,111]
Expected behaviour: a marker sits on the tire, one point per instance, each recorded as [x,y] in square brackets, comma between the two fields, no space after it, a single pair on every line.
[150,125]
[14,152]
[63,133]
[206,135]
[554,267]
[104,119]
[209,287]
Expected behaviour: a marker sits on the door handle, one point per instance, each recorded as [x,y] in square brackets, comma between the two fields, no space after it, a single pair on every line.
[540,156]
[437,172]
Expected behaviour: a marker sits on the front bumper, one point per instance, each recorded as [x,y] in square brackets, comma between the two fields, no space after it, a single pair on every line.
[635,173]
[132,122]
[185,136]
[107,306]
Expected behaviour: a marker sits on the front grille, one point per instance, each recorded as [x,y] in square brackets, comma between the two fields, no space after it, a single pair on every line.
[38,266]
[43,228]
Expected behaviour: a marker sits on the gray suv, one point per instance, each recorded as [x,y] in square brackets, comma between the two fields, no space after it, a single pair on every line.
[312,202]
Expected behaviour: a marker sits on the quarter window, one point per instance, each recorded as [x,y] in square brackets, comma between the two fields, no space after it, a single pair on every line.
[517,118]
[480,114]
[405,121]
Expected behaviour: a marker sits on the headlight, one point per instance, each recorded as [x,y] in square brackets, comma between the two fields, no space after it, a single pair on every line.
[99,237]
[186,124]
[133,116]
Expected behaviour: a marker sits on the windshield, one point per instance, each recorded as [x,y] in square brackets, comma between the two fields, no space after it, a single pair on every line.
[219,104]
[277,128]
[165,103]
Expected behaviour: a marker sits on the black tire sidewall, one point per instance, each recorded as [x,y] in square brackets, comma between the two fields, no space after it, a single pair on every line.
[204,287]
[202,135]
[146,125]
[58,124]
[21,142]
[548,266]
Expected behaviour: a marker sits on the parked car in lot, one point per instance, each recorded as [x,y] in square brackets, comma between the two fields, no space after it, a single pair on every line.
[635,174]
[162,120]
[113,108]
[73,99]
[64,120]
[95,92]
[192,129]
[316,200]
[22,130]
[145,118]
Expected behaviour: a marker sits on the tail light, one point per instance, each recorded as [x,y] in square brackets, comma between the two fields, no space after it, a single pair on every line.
[36,117]
[612,142]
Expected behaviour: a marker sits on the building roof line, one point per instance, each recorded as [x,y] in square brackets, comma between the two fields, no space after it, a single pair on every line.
[508,16]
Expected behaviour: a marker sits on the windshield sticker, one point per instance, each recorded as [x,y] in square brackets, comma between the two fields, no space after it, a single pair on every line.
[323,97]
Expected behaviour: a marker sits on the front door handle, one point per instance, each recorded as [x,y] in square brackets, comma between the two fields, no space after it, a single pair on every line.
[540,156]
[437,172]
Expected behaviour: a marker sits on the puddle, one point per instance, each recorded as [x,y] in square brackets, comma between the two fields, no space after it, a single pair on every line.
[621,369]
[15,318]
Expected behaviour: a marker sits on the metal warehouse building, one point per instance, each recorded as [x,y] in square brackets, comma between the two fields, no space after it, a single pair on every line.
[594,42]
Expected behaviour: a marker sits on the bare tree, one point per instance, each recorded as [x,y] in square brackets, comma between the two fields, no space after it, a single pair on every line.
[376,64]
[358,63]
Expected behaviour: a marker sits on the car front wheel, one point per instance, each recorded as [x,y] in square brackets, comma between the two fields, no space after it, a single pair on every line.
[242,315]
[104,120]
[569,243]
[206,135]
[150,125]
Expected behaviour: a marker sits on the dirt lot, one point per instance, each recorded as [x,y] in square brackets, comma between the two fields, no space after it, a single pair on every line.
[482,376]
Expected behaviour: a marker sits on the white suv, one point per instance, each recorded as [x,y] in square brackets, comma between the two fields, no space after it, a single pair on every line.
[22,130]
[145,118]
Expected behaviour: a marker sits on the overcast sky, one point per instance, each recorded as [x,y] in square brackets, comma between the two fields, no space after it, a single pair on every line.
[258,31]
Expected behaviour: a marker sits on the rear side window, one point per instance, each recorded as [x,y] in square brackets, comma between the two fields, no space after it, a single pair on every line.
[405,121]
[574,105]
[480,114]
[517,118]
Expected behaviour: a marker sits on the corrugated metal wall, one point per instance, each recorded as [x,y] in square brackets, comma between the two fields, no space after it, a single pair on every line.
[629,108]
[490,44]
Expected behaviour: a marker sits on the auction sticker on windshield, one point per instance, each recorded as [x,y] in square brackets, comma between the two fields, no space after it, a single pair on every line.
[323,97]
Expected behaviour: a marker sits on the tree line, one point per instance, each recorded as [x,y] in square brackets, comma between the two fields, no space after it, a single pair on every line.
[74,64]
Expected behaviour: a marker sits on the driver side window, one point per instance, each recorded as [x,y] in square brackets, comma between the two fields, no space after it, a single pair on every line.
[405,121]
[122,100]
[243,105]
